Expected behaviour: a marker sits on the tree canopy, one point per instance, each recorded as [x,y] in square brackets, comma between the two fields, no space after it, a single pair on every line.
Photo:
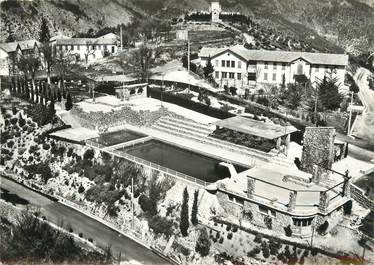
[44,34]
[328,92]
[184,222]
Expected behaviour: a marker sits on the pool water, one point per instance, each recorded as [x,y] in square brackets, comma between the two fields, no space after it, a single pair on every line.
[181,160]
[117,137]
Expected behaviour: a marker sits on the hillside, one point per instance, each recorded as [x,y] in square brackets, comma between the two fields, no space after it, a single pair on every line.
[348,23]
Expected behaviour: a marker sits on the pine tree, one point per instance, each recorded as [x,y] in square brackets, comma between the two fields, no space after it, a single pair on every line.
[203,243]
[328,93]
[69,102]
[44,34]
[184,223]
[208,69]
[194,211]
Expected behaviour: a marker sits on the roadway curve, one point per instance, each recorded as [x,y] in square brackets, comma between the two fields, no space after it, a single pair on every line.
[100,233]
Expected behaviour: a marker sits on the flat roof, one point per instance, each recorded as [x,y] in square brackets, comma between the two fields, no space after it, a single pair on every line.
[257,128]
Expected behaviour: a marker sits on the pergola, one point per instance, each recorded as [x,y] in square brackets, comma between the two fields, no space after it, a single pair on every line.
[257,128]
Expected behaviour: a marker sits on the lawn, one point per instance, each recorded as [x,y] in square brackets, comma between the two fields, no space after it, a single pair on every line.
[117,137]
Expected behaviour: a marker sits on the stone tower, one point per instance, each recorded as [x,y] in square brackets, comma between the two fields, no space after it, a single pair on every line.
[215,9]
[318,148]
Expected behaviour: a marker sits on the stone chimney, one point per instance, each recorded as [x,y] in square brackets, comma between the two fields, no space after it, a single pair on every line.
[318,148]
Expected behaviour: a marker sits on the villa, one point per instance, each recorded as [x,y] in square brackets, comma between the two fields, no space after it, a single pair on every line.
[242,68]
[93,48]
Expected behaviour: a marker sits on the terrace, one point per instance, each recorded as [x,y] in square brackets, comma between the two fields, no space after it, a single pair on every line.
[253,133]
[287,190]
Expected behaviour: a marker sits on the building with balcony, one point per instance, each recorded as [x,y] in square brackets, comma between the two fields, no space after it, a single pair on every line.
[242,68]
[275,197]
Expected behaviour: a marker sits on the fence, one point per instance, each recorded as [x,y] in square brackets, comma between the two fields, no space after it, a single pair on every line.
[149,164]
[359,196]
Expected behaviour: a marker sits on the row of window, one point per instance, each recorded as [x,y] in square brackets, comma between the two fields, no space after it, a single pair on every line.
[275,66]
[266,77]
[228,63]
[236,199]
[225,75]
[90,47]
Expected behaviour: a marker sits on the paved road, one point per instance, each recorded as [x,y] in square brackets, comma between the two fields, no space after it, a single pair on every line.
[101,234]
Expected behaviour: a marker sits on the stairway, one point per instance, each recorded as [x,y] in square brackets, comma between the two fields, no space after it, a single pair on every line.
[200,133]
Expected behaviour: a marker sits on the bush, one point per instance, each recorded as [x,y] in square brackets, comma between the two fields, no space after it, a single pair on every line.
[268,222]
[81,189]
[145,203]
[221,240]
[229,236]
[161,225]
[265,250]
[46,146]
[80,234]
[258,238]
[288,231]
[203,243]
[228,227]
[89,154]
[323,228]
[254,252]
[235,228]
[347,207]
[90,240]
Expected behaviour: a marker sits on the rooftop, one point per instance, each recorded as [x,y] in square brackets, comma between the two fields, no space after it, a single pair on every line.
[277,56]
[256,128]
[24,45]
[85,41]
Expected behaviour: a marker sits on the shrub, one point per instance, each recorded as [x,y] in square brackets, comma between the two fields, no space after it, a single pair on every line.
[258,238]
[314,252]
[145,203]
[89,154]
[268,222]
[161,225]
[228,227]
[347,208]
[265,250]
[80,234]
[229,236]
[90,240]
[71,230]
[288,231]
[203,243]
[46,146]
[235,228]
[10,144]
[221,240]
[254,252]
[323,228]
[81,189]
[306,253]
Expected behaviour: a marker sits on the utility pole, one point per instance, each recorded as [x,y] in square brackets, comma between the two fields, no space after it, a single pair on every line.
[132,202]
[188,53]
[313,229]
[121,37]
[350,115]
[315,107]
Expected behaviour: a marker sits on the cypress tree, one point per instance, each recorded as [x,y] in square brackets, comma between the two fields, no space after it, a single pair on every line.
[184,222]
[208,69]
[44,34]
[194,211]
[69,102]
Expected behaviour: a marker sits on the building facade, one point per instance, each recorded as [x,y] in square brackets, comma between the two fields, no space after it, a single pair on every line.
[242,68]
[87,49]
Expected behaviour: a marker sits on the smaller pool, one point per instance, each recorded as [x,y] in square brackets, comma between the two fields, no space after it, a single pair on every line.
[117,137]
[184,161]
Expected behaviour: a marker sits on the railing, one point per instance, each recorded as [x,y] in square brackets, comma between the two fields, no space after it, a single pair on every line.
[211,141]
[157,167]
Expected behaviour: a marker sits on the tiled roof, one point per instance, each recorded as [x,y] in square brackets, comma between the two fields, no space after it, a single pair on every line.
[84,41]
[9,46]
[278,56]
[24,45]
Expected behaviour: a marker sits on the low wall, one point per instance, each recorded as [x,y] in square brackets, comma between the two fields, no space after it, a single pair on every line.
[359,196]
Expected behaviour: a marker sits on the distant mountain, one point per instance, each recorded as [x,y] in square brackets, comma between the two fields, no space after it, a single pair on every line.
[348,23]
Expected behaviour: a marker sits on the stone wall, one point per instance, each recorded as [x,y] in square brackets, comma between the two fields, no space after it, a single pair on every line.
[318,148]
[359,195]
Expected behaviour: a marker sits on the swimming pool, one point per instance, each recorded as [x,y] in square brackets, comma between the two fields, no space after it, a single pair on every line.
[181,160]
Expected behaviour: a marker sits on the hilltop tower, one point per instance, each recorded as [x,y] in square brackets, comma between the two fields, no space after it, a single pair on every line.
[215,9]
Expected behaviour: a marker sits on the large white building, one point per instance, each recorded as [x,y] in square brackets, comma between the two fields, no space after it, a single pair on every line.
[90,48]
[243,68]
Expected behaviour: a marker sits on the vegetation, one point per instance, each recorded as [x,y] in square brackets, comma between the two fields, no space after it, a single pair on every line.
[194,211]
[184,221]
[328,92]
[321,229]
[30,239]
[203,243]
[44,34]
